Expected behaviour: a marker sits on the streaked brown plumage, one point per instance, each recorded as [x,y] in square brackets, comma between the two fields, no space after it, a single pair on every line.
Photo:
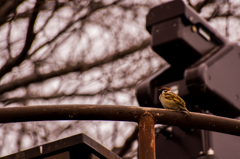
[171,100]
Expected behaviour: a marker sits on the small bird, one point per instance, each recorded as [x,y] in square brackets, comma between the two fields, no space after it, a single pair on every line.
[171,100]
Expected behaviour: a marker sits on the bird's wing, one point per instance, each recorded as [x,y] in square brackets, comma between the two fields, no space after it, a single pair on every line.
[172,96]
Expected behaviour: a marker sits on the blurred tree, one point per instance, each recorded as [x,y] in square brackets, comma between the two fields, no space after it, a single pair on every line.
[82,52]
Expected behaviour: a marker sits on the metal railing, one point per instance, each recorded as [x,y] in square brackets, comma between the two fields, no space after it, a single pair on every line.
[145,117]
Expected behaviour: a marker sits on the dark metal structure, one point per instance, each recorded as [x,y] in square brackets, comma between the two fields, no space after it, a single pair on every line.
[203,69]
[204,66]
[74,147]
[145,117]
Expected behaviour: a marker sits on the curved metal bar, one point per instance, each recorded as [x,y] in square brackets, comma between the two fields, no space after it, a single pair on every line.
[119,113]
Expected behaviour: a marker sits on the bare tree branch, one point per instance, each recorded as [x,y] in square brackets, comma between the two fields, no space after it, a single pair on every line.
[56,7]
[227,19]
[121,151]
[104,91]
[198,7]
[79,67]
[12,62]
[8,7]
[93,6]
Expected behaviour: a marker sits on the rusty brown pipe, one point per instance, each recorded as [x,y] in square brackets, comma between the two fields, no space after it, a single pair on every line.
[118,113]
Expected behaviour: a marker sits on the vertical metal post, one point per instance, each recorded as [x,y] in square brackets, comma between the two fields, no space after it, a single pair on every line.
[146,137]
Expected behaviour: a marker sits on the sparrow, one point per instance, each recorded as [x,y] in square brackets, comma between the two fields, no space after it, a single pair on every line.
[171,100]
